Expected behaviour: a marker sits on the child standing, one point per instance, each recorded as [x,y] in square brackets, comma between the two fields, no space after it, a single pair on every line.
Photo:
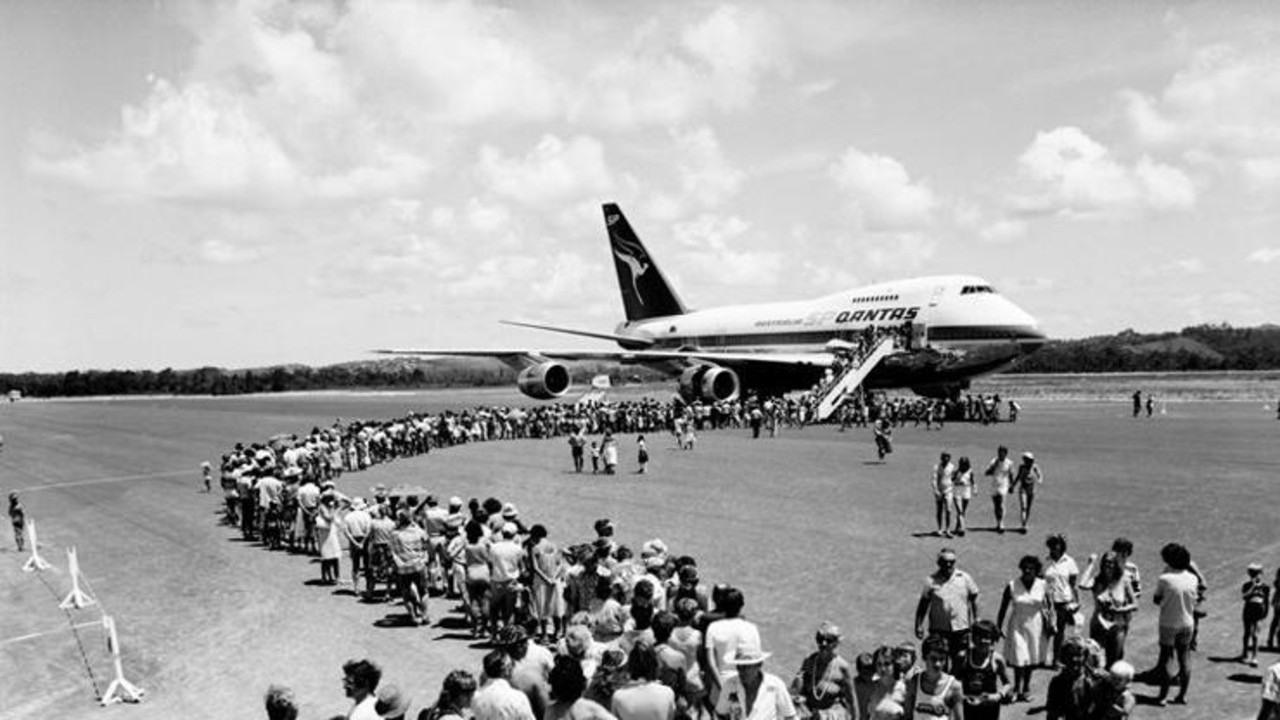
[18,516]
[643,455]
[595,458]
[1256,595]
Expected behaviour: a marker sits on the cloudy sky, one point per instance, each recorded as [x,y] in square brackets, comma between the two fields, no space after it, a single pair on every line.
[257,182]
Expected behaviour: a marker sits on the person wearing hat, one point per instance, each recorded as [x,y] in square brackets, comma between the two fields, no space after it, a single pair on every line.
[824,683]
[392,703]
[751,693]
[355,529]
[506,565]
[1256,595]
[1025,481]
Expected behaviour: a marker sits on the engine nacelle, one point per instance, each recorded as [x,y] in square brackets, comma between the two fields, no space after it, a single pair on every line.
[544,381]
[709,383]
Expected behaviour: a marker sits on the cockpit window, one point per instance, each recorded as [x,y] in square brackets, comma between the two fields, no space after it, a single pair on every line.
[972,289]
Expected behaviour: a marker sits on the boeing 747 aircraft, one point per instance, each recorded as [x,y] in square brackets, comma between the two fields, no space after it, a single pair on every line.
[960,327]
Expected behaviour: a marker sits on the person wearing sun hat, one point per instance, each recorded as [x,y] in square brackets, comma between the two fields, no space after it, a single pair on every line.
[1025,481]
[772,699]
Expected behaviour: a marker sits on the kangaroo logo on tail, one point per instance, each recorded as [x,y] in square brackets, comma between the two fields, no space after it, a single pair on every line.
[633,255]
[645,292]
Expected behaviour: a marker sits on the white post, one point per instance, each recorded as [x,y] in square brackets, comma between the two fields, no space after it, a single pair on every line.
[35,562]
[77,598]
[120,690]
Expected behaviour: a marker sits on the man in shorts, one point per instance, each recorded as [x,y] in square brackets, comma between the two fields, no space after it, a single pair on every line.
[949,602]
[1026,480]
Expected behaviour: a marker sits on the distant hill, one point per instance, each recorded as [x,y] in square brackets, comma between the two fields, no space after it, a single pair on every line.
[1201,347]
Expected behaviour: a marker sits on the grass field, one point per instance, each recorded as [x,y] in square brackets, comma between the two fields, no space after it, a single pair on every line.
[808,524]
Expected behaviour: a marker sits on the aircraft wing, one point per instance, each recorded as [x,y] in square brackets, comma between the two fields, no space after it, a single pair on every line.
[525,356]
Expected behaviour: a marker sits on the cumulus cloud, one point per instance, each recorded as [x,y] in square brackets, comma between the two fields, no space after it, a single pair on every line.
[706,176]
[881,192]
[1225,105]
[1265,255]
[1072,174]
[717,252]
[1003,230]
[673,68]
[553,170]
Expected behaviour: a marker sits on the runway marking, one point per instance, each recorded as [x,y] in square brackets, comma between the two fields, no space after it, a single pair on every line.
[103,480]
[49,632]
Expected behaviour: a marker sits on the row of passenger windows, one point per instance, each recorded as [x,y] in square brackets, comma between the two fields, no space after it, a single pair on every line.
[875,298]
[971,289]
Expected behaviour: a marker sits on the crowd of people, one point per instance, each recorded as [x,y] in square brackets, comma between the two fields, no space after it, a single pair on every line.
[592,630]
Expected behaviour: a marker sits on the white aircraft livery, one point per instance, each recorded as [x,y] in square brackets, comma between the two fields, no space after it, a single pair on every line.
[958,327]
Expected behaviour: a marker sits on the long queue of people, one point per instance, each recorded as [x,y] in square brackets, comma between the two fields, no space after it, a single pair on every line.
[592,631]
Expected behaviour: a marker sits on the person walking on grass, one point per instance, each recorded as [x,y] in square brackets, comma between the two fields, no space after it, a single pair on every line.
[1026,481]
[1000,470]
[942,482]
[1256,595]
[962,493]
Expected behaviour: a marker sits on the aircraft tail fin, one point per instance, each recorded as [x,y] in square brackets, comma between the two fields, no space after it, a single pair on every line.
[645,291]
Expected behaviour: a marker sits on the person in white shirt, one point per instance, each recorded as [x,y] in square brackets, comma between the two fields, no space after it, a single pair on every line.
[753,694]
[942,482]
[359,681]
[497,700]
[723,638]
[644,698]
[1000,470]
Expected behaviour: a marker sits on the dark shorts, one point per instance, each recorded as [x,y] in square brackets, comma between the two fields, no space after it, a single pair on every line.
[1254,612]
[1178,638]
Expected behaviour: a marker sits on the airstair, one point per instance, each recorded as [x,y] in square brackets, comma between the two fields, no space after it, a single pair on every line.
[852,377]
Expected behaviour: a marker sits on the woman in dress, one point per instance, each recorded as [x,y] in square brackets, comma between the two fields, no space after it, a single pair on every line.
[1113,605]
[328,538]
[962,492]
[825,681]
[476,558]
[932,693]
[1026,638]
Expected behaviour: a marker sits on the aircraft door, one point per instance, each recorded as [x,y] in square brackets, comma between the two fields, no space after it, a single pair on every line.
[920,327]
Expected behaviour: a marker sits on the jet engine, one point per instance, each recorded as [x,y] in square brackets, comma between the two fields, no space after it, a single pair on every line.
[709,383]
[544,381]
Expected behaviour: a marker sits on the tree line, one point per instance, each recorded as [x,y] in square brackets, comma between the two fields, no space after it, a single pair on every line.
[1201,347]
[381,374]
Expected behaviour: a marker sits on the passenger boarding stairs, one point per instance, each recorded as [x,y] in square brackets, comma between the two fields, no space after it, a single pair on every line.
[852,377]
